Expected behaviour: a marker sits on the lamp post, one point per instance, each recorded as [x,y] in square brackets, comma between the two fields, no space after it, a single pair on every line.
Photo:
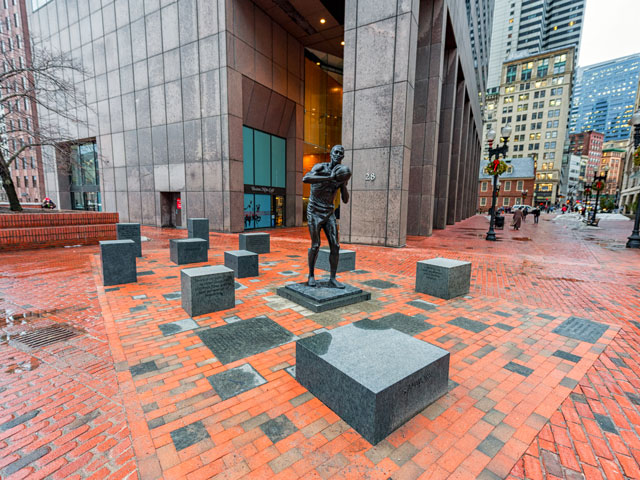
[524,195]
[494,167]
[634,239]
[599,182]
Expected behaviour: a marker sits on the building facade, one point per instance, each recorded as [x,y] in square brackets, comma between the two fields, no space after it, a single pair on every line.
[572,184]
[588,144]
[516,185]
[630,188]
[614,159]
[604,97]
[206,109]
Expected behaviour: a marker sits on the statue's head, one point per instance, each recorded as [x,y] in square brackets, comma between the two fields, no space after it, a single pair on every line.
[337,154]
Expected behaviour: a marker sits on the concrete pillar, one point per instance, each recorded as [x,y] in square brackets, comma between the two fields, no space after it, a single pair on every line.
[379,71]
[463,195]
[426,115]
[455,174]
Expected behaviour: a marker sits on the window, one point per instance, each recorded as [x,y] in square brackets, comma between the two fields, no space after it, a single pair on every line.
[556,91]
[523,96]
[555,103]
[483,201]
[550,155]
[508,99]
[511,73]
[526,71]
[520,185]
[559,63]
[507,186]
[483,186]
[34,181]
[510,89]
[505,201]
[26,182]
[33,162]
[543,67]
[523,107]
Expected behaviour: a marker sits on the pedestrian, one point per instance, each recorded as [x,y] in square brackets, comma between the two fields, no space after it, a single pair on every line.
[525,212]
[536,214]
[48,203]
[517,219]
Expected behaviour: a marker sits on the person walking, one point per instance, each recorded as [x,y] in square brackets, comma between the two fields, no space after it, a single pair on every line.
[525,212]
[536,214]
[517,219]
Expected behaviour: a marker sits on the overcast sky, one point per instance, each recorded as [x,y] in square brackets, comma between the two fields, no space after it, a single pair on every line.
[610,30]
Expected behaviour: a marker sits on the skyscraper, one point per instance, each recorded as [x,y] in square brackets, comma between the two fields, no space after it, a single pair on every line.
[480,18]
[603,97]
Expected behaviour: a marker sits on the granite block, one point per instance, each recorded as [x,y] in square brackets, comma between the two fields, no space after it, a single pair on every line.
[375,378]
[130,231]
[188,250]
[207,289]
[322,298]
[255,242]
[443,277]
[198,228]
[346,260]
[243,263]
[118,259]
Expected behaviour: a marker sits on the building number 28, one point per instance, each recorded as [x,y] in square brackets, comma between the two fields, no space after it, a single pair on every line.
[370,177]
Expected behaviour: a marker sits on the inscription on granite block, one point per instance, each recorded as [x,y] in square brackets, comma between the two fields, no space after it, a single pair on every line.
[374,377]
[130,231]
[255,242]
[243,263]
[346,260]
[207,289]
[443,277]
[198,228]
[188,250]
[118,258]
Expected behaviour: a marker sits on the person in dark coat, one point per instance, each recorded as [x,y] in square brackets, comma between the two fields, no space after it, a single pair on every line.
[536,214]
[517,219]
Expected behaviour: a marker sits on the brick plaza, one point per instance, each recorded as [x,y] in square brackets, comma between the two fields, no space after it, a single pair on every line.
[544,377]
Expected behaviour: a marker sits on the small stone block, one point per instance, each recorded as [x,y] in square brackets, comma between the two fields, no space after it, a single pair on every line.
[198,228]
[375,378]
[207,289]
[443,277]
[118,258]
[346,260]
[322,298]
[188,250]
[130,231]
[255,242]
[243,263]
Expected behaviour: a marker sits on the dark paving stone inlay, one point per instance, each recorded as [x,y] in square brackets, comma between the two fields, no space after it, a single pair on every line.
[139,308]
[581,329]
[490,446]
[422,304]
[546,317]
[25,417]
[567,356]
[242,339]
[605,423]
[504,327]
[633,398]
[360,272]
[502,314]
[382,284]
[619,362]
[404,323]
[236,381]
[190,435]
[468,324]
[178,326]
[26,460]
[578,397]
[142,368]
[520,369]
[480,353]
[147,272]
[278,428]
[112,289]
[172,295]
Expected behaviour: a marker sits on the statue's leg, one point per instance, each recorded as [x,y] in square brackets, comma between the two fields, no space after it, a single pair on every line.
[314,232]
[331,231]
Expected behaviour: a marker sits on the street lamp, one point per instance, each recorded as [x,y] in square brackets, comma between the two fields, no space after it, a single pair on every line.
[494,168]
[599,183]
[524,196]
[634,239]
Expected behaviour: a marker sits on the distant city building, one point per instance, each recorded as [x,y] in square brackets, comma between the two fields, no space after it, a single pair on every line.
[480,18]
[516,185]
[603,97]
[572,184]
[589,145]
[614,159]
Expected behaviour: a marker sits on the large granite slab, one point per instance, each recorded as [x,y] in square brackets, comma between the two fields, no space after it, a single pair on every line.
[207,289]
[188,250]
[198,228]
[375,378]
[130,231]
[443,277]
[346,260]
[243,262]
[322,298]
[255,242]
[118,259]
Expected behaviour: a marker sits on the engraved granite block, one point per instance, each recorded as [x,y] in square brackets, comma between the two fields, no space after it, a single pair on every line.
[443,278]
[255,242]
[346,260]
[374,377]
[188,250]
[198,228]
[130,231]
[207,289]
[243,263]
[118,259]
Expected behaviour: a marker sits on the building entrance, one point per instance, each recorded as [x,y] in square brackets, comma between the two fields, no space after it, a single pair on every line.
[170,209]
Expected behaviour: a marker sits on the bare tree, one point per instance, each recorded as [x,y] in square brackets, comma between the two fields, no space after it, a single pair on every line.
[39,100]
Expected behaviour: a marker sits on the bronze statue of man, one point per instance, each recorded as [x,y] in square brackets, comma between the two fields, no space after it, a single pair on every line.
[326,179]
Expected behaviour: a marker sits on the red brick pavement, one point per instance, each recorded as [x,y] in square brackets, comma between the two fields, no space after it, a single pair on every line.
[75,409]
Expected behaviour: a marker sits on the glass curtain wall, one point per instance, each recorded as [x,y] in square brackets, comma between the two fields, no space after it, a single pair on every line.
[84,177]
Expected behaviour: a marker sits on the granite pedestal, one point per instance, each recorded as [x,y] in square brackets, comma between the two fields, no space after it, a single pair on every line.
[243,263]
[255,242]
[322,298]
[118,258]
[130,231]
[443,278]
[198,228]
[188,250]
[207,289]
[375,378]
[346,260]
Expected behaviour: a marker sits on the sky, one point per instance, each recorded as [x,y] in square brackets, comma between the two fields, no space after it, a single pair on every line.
[610,30]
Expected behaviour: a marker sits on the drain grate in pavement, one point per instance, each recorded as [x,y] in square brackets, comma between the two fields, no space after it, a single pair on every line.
[581,329]
[43,337]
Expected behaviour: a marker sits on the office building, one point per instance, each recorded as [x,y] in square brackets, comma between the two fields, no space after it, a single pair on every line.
[516,185]
[614,159]
[220,108]
[588,144]
[603,97]
[571,180]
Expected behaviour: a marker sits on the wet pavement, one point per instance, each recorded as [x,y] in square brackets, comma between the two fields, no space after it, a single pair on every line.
[119,382]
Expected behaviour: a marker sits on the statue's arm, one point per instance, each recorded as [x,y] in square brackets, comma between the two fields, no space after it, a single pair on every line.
[314,177]
[344,193]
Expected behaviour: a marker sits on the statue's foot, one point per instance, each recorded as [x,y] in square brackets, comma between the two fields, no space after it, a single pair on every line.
[333,283]
[311,281]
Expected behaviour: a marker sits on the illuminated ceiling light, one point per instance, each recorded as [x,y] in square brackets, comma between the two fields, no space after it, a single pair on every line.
[323,21]
[342,43]
[318,63]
